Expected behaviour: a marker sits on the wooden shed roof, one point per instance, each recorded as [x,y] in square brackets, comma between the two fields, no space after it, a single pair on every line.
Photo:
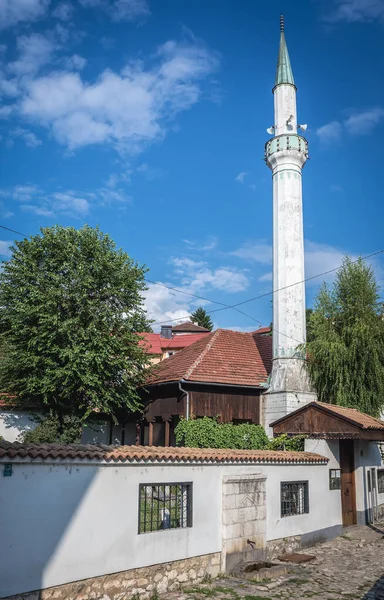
[318,419]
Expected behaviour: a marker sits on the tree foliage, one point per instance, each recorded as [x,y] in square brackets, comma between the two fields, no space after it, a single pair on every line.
[71,304]
[51,429]
[346,342]
[202,318]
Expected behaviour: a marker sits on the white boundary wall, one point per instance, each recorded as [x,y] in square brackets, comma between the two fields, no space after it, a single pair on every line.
[61,523]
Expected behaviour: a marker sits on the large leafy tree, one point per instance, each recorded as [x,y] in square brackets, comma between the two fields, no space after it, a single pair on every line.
[202,318]
[346,341]
[70,306]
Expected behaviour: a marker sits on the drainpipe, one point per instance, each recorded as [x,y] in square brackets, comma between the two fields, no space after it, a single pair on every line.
[187,395]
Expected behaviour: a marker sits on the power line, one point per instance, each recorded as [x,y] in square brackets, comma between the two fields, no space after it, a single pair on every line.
[279,289]
[14,231]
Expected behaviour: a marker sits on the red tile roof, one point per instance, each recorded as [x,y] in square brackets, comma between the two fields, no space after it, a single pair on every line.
[155,344]
[263,330]
[223,356]
[150,454]
[188,326]
[361,419]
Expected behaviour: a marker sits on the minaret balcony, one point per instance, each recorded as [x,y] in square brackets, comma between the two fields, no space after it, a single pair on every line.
[284,142]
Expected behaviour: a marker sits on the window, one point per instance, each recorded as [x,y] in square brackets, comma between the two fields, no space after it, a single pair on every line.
[334,479]
[165,506]
[294,498]
[380,481]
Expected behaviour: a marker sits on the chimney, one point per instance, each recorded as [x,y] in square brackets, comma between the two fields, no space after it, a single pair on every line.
[166,332]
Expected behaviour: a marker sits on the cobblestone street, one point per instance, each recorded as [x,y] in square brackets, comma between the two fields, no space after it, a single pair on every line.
[351,566]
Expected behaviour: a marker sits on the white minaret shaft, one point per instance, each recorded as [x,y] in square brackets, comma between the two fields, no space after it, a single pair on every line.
[286,154]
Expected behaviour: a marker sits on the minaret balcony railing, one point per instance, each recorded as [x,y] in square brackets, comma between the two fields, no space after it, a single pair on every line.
[286,141]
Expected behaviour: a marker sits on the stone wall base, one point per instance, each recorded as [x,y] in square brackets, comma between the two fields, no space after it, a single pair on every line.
[289,545]
[136,583]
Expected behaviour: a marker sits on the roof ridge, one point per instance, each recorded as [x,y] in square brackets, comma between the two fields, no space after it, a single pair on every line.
[202,354]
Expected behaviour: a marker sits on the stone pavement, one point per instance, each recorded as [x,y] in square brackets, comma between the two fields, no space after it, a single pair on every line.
[348,567]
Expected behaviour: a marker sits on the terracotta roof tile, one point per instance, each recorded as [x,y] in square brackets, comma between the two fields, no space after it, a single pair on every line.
[155,344]
[352,414]
[223,356]
[103,453]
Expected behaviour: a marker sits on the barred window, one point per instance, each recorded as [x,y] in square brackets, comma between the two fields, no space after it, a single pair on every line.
[334,479]
[164,506]
[294,498]
[380,481]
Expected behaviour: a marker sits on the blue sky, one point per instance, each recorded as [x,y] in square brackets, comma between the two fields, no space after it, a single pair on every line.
[149,117]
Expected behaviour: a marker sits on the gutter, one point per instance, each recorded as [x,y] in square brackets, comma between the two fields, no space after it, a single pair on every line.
[187,395]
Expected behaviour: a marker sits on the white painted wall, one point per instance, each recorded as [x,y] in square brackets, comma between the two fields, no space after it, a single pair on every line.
[67,522]
[13,424]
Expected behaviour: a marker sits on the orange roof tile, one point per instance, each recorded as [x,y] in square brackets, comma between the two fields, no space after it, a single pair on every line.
[223,356]
[17,450]
[155,344]
[352,414]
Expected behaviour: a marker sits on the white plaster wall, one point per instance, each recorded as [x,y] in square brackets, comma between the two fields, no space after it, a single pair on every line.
[367,455]
[62,523]
[67,523]
[14,423]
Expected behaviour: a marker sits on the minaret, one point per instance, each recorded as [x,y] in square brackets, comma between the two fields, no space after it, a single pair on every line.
[285,154]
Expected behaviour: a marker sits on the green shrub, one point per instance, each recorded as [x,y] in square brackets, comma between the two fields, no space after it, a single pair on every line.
[209,433]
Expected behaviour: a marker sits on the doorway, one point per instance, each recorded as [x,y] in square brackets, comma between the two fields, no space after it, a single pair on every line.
[348,495]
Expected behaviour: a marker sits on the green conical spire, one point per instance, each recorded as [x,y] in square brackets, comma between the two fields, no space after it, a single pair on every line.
[284,70]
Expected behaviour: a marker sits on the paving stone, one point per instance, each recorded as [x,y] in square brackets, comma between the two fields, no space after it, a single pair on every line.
[348,568]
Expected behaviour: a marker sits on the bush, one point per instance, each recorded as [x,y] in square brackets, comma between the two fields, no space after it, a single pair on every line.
[209,433]
[285,442]
[51,431]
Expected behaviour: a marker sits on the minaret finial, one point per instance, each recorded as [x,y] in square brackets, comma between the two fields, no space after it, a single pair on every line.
[281,22]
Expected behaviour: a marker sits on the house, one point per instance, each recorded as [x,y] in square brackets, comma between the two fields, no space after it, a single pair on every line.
[354,444]
[223,374]
[171,340]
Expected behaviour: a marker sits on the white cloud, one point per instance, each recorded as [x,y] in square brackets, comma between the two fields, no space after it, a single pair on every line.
[69,202]
[353,11]
[128,109]
[5,248]
[30,139]
[330,132]
[163,304]
[358,123]
[200,246]
[74,62]
[334,188]
[196,275]
[15,11]
[35,50]
[63,11]
[241,176]
[258,251]
[266,277]
[120,10]
[364,123]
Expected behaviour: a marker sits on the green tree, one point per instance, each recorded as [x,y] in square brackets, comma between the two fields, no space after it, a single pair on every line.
[71,304]
[202,318]
[346,341]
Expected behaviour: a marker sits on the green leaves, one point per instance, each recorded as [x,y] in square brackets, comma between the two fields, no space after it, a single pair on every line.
[209,433]
[202,318]
[71,306]
[346,340]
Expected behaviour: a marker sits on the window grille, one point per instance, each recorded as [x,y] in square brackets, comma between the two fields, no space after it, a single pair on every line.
[294,498]
[334,479]
[380,481]
[165,506]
